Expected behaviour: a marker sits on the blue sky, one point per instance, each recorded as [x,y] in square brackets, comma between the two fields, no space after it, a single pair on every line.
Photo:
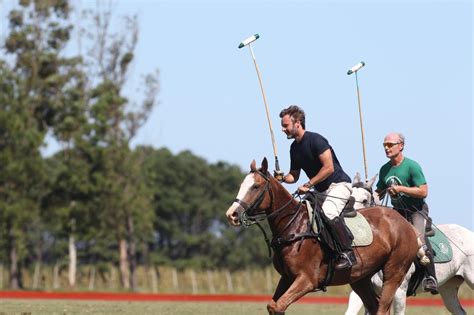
[417,80]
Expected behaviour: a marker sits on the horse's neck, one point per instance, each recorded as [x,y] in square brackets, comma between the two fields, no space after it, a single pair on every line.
[281,197]
[284,210]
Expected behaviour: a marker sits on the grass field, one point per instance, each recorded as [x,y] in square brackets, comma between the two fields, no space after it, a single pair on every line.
[72,307]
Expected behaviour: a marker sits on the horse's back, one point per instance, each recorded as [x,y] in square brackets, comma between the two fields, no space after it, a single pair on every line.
[379,216]
[462,243]
[391,229]
[462,237]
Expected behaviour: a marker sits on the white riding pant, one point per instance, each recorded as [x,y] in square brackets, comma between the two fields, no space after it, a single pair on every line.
[335,198]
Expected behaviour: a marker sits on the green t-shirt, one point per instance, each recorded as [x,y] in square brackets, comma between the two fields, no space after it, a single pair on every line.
[409,174]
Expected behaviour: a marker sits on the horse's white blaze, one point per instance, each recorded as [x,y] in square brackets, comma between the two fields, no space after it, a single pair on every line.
[244,188]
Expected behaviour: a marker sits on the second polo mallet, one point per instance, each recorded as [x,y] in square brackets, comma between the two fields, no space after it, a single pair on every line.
[248,42]
[352,70]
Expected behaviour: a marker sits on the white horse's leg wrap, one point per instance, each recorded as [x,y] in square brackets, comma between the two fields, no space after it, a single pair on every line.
[424,260]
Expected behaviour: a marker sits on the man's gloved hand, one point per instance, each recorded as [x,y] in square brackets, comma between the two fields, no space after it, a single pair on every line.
[278,175]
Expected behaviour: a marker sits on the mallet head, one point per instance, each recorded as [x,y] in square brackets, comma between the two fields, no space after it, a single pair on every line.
[356,68]
[249,40]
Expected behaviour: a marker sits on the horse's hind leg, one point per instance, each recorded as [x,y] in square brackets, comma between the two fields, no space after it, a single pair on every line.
[393,276]
[366,292]
[449,293]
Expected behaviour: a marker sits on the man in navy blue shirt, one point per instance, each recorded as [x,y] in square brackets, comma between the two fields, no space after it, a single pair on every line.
[312,153]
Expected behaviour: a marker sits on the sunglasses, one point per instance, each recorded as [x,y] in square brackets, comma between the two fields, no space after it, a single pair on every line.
[390,144]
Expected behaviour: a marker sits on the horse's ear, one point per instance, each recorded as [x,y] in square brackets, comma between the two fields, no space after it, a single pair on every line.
[372,181]
[356,178]
[264,165]
[253,166]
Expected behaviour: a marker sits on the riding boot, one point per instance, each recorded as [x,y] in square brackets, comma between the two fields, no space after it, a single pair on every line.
[430,284]
[344,238]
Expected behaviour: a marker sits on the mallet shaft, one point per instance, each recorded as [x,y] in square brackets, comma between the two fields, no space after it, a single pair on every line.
[277,166]
[361,128]
[247,42]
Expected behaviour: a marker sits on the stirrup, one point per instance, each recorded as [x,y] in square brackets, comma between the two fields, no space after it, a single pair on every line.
[346,260]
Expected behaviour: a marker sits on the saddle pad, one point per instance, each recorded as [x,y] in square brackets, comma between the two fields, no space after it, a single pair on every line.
[358,225]
[443,252]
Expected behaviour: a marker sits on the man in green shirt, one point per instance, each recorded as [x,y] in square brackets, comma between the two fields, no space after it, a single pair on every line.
[403,179]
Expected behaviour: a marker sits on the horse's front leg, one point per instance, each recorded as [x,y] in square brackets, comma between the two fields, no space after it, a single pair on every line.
[301,285]
[281,288]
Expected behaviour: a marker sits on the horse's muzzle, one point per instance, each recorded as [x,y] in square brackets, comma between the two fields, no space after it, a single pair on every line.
[233,214]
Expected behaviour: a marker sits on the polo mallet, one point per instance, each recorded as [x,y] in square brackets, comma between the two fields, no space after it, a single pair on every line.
[248,42]
[352,70]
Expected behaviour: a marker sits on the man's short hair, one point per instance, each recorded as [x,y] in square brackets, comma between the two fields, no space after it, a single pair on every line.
[401,137]
[295,113]
[402,140]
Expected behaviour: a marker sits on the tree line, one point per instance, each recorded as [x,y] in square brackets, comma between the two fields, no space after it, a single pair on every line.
[97,200]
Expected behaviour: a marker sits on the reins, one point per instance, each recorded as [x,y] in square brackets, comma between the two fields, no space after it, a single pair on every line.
[247,220]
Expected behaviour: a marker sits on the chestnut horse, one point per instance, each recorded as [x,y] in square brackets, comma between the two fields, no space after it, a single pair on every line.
[303,261]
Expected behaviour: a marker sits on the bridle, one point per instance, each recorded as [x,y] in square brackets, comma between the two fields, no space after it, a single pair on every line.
[244,217]
[247,220]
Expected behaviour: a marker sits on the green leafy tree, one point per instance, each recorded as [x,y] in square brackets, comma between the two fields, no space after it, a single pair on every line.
[37,97]
[190,200]
[114,121]
[21,169]
[97,192]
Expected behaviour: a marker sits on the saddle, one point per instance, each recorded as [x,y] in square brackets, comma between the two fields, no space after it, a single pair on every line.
[355,222]
[442,250]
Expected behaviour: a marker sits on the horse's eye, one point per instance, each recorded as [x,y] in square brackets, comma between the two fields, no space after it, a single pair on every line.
[364,201]
[254,187]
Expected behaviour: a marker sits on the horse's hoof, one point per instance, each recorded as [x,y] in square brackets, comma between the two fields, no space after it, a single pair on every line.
[271,310]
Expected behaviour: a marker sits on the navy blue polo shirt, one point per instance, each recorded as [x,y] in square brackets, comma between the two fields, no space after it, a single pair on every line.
[305,155]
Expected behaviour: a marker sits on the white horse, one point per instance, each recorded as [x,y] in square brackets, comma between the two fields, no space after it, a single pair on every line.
[450,275]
